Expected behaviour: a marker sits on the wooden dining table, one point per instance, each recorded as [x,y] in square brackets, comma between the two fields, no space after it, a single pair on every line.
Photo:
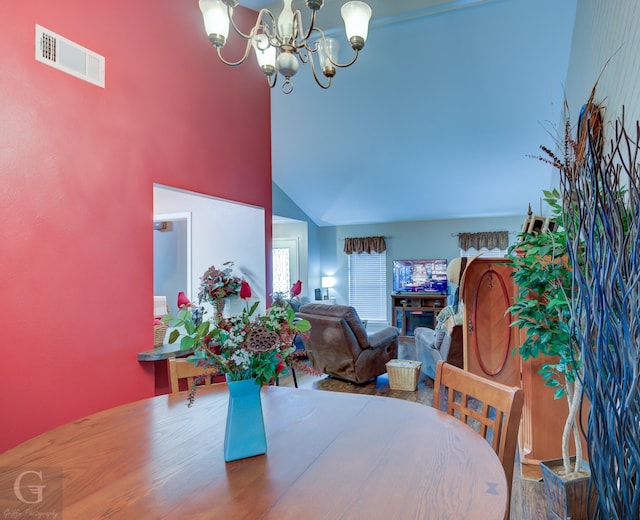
[330,456]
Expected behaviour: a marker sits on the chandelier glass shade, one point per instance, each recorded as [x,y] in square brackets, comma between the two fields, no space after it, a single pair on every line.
[281,44]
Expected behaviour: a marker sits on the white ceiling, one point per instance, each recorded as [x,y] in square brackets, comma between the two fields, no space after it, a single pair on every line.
[438,118]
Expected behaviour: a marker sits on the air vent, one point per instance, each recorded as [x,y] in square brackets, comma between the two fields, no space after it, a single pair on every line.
[67,56]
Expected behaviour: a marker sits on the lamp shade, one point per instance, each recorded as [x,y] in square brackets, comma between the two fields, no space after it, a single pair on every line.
[328,281]
[216,20]
[328,52]
[356,16]
[265,53]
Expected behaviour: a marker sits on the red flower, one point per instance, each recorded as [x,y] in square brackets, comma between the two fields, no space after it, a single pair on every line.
[245,290]
[183,300]
[280,366]
[296,289]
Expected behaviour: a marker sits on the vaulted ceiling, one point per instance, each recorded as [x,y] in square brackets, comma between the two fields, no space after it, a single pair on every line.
[438,118]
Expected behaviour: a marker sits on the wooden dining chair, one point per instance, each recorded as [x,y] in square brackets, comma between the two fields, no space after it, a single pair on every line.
[491,408]
[180,369]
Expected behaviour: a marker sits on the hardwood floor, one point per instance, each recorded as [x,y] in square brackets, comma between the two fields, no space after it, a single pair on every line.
[527,499]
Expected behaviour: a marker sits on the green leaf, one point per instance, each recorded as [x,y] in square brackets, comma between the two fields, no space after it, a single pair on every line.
[187,342]
[302,325]
[203,328]
[253,308]
[189,327]
[173,336]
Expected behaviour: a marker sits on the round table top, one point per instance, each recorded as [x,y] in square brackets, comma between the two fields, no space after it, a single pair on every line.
[330,455]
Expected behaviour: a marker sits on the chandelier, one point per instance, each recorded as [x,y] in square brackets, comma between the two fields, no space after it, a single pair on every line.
[281,44]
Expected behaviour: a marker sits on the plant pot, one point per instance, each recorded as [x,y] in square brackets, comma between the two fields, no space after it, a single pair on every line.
[244,435]
[567,496]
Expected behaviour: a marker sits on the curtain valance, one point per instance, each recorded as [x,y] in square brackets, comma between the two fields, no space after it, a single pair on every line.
[365,245]
[488,239]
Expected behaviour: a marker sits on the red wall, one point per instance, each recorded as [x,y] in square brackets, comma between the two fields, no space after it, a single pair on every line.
[77,165]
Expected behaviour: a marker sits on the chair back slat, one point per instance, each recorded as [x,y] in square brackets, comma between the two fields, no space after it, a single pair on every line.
[493,409]
[181,369]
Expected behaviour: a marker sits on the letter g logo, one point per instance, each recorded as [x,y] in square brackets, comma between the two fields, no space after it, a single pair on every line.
[36,491]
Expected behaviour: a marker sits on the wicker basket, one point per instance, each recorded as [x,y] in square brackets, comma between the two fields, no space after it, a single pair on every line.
[403,374]
[159,332]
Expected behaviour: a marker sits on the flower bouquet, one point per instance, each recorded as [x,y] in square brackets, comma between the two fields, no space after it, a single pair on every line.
[216,285]
[243,346]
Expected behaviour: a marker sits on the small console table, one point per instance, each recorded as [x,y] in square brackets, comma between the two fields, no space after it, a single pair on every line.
[158,357]
[411,310]
[166,351]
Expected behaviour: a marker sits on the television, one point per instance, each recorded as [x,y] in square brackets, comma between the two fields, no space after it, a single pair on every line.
[421,276]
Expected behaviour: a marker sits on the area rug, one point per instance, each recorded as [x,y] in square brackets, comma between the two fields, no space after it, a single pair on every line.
[379,386]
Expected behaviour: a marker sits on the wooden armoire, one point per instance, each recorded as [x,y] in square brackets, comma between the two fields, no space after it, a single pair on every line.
[491,350]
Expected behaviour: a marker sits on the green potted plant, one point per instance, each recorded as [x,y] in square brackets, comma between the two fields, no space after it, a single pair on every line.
[543,279]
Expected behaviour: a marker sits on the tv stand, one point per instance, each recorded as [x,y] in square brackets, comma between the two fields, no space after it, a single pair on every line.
[412,309]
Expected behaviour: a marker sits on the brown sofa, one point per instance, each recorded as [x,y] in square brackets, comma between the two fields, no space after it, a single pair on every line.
[338,343]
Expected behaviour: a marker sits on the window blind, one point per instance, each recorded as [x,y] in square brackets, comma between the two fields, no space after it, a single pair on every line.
[368,285]
[486,253]
[281,278]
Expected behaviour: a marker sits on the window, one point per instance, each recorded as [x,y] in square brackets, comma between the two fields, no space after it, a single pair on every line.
[281,279]
[285,264]
[486,253]
[368,285]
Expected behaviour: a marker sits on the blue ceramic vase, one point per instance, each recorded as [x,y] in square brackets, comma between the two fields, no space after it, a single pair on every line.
[245,435]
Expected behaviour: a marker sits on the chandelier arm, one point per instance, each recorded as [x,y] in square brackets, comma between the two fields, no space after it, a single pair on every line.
[343,65]
[272,80]
[319,83]
[259,23]
[312,25]
[324,42]
[304,56]
[315,75]
[306,42]
[241,60]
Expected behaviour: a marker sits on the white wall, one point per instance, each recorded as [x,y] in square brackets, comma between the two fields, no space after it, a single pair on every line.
[606,32]
[222,231]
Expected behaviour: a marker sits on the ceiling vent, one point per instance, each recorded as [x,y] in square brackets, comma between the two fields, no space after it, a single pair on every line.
[67,56]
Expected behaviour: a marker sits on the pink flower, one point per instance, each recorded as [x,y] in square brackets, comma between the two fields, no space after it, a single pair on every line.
[296,289]
[183,300]
[245,290]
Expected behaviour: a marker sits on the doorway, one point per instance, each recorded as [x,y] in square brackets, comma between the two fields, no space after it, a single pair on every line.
[172,256]
[286,262]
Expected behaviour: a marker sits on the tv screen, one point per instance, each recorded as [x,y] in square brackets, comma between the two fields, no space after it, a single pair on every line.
[428,276]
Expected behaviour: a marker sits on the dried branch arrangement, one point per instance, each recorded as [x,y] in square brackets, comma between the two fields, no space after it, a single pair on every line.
[600,187]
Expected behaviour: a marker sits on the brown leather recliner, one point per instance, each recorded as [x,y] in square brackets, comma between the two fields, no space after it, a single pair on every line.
[338,343]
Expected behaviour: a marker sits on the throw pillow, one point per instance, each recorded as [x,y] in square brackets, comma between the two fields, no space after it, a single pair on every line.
[439,337]
[444,314]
